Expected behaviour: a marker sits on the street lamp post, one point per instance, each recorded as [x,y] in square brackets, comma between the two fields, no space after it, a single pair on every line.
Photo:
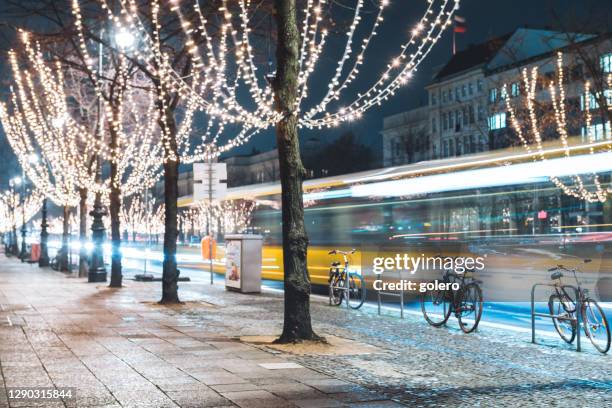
[32,159]
[13,248]
[17,181]
[97,269]
[44,235]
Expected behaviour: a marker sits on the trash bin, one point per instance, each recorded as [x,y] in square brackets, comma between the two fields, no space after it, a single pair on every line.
[35,253]
[243,263]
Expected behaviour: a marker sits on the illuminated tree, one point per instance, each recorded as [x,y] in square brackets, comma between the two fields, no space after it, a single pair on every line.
[14,212]
[227,85]
[106,115]
[530,127]
[226,217]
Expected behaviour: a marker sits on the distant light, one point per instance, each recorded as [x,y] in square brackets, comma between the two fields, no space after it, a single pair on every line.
[89,246]
[16,181]
[125,39]
[33,158]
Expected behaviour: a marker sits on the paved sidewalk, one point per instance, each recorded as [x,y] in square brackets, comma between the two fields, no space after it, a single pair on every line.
[119,348]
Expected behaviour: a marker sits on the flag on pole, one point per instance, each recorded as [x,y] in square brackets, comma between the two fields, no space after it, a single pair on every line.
[460,26]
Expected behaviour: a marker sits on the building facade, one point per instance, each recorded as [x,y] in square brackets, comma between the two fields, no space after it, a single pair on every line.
[466,111]
[252,169]
[406,138]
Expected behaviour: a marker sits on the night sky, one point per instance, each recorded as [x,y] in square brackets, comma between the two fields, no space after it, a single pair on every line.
[485,19]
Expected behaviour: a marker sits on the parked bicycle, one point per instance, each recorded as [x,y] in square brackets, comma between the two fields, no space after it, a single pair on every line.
[465,302]
[563,304]
[344,283]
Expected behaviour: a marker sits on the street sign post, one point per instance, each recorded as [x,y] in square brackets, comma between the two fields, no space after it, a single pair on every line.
[209,183]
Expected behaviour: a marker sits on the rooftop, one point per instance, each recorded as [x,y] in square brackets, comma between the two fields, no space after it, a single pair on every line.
[519,45]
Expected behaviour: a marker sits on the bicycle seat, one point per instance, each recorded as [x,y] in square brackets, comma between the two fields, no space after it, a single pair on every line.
[556,275]
[588,260]
[334,264]
[332,252]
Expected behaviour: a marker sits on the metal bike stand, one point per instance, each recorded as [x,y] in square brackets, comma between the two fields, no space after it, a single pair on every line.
[381,293]
[534,314]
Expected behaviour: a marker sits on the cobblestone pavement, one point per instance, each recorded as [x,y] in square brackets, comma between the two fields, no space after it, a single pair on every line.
[119,348]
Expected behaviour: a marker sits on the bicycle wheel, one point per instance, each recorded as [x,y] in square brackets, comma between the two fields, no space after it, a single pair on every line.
[335,291]
[436,306]
[565,328]
[596,325]
[470,307]
[357,290]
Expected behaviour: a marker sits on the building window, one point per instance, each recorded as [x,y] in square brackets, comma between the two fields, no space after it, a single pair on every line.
[471,113]
[443,96]
[445,152]
[470,89]
[593,103]
[493,95]
[450,95]
[463,91]
[514,89]
[457,93]
[606,63]
[433,125]
[497,121]
[471,143]
[465,116]
[451,120]
[451,147]
[483,144]
[479,85]
[597,132]
[481,114]
[444,121]
[459,146]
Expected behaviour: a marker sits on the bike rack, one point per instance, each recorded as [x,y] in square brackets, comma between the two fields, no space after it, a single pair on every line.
[534,314]
[381,293]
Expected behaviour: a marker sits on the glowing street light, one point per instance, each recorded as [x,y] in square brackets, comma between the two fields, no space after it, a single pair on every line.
[124,39]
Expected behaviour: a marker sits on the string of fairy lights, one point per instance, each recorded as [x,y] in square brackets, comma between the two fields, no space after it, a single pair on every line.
[557,91]
[224,217]
[139,217]
[14,211]
[39,121]
[223,64]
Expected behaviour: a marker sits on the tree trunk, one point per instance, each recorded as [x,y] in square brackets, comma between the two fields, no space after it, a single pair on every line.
[62,256]
[83,262]
[297,322]
[171,170]
[114,209]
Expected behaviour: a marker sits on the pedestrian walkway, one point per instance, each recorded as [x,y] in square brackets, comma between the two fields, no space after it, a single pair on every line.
[119,348]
